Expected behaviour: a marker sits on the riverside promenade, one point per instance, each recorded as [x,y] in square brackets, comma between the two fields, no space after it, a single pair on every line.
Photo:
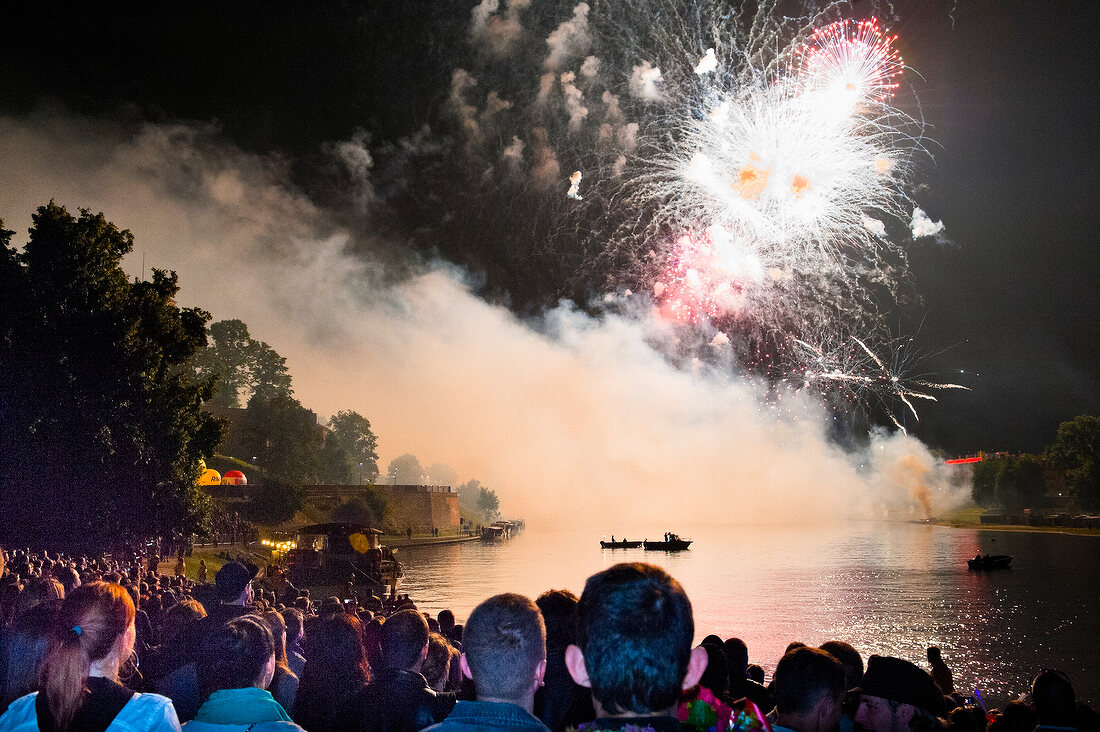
[394,541]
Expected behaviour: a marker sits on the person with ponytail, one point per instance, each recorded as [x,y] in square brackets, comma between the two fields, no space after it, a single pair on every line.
[78,685]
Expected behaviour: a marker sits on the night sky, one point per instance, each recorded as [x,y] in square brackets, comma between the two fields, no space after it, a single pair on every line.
[1009,92]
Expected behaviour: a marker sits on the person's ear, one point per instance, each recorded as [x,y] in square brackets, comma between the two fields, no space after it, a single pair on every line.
[465,666]
[697,664]
[574,662]
[828,712]
[540,673]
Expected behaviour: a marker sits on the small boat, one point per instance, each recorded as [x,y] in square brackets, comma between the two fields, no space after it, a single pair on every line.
[672,543]
[621,544]
[990,561]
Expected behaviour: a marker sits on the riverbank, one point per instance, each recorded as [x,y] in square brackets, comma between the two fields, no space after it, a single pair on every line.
[970,518]
[395,542]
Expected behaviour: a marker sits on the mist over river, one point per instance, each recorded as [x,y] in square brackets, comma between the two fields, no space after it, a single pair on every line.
[885,587]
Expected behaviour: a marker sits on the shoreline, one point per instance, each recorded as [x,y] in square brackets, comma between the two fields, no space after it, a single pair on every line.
[1019,528]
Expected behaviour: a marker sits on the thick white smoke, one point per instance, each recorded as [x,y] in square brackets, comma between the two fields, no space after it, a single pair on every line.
[569,417]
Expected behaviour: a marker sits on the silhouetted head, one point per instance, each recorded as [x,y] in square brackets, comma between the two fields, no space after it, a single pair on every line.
[559,611]
[634,628]
[404,640]
[755,672]
[505,648]
[437,664]
[809,681]
[895,694]
[715,677]
[237,655]
[446,620]
[737,657]
[849,658]
[26,649]
[1054,699]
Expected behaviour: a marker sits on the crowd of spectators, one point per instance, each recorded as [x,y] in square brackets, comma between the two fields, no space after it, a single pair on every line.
[112,644]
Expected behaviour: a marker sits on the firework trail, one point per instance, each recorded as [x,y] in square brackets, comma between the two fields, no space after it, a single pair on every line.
[851,372]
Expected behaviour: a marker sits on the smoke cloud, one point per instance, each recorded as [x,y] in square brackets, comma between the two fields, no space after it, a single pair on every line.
[922,225]
[570,417]
[569,40]
[496,33]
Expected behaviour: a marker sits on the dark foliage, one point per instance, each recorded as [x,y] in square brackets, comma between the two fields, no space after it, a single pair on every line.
[102,429]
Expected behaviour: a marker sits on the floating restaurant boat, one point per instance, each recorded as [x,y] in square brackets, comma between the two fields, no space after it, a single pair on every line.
[990,561]
[502,530]
[327,556]
[672,543]
[621,544]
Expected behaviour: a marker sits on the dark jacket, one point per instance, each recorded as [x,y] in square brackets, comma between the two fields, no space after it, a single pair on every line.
[394,701]
[757,693]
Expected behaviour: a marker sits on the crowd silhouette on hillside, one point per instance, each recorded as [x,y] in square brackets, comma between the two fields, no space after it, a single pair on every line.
[112,644]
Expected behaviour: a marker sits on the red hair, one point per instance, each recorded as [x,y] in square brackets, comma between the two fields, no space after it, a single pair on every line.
[92,618]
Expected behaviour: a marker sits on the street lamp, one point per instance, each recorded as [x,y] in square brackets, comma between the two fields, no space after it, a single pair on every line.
[360,473]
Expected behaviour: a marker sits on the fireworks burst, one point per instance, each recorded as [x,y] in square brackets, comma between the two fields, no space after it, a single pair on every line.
[851,60]
[850,371]
[791,168]
[745,167]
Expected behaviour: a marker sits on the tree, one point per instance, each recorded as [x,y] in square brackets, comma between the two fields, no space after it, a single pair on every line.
[442,474]
[1020,482]
[243,366]
[282,435]
[468,494]
[268,374]
[369,509]
[405,470]
[274,502]
[351,440]
[102,418]
[1076,448]
[227,358]
[984,490]
[488,502]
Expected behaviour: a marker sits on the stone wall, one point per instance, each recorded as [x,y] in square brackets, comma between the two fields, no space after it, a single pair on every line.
[421,507]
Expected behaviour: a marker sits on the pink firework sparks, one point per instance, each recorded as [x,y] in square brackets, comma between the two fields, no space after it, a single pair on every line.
[853,56]
[694,285]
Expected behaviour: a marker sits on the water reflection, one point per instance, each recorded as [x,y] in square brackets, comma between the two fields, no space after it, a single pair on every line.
[884,588]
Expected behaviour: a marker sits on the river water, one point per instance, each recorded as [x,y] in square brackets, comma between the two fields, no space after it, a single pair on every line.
[887,588]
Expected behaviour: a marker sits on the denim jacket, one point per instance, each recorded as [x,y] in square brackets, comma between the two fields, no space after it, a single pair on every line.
[488,716]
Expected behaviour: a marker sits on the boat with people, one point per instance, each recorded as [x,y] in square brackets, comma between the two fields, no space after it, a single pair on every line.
[989,561]
[621,544]
[327,557]
[672,543]
[502,530]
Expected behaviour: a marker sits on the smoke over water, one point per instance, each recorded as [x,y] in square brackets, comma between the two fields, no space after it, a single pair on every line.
[578,153]
[571,417]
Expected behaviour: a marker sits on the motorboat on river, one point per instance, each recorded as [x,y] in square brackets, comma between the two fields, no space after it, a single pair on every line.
[990,561]
[672,543]
[621,544]
[326,557]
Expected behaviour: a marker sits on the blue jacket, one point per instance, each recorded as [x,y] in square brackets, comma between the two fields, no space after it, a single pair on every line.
[143,713]
[488,716]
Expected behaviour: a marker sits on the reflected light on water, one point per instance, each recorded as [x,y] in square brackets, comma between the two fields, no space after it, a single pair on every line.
[887,588]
